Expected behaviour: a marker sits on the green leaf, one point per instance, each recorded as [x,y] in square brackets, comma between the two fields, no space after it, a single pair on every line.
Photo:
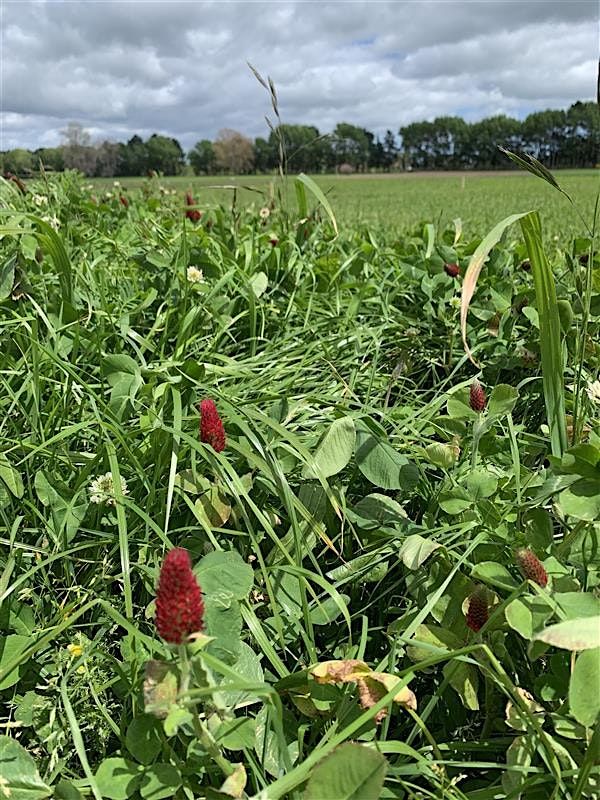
[415,550]
[334,451]
[476,263]
[576,634]
[380,463]
[259,283]
[502,400]
[464,680]
[381,509]
[177,718]
[7,277]
[327,610]
[248,667]
[584,701]
[223,620]
[350,772]
[19,777]
[11,477]
[455,501]
[143,738]
[159,781]
[550,333]
[436,637]
[581,500]
[442,455]
[318,193]
[236,734]
[118,778]
[527,615]
[11,647]
[481,483]
[578,604]
[494,574]
[224,570]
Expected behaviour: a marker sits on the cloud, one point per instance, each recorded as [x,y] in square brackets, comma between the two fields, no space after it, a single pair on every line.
[180,68]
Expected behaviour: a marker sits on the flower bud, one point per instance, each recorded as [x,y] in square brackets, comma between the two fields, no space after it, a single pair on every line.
[477,398]
[477,613]
[531,567]
[179,605]
[452,269]
[211,426]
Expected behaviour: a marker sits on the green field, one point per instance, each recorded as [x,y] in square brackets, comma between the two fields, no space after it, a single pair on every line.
[395,548]
[396,203]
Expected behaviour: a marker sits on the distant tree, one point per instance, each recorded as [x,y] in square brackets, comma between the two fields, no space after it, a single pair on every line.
[107,160]
[302,147]
[583,131]
[390,150]
[202,157]
[18,161]
[351,145]
[52,158]
[234,153]
[77,150]
[265,155]
[133,157]
[164,155]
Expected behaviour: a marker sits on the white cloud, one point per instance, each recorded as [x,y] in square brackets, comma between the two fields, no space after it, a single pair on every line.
[179,68]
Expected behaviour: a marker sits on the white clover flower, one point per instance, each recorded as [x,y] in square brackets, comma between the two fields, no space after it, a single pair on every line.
[54,222]
[194,275]
[102,489]
[40,200]
[116,184]
[264,213]
[593,391]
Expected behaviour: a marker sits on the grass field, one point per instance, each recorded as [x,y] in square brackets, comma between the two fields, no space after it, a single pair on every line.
[396,203]
[267,531]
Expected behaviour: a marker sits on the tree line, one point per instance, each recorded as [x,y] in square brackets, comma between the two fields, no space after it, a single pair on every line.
[557,138]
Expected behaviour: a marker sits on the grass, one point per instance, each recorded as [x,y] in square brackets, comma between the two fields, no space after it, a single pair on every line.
[359,505]
[396,203]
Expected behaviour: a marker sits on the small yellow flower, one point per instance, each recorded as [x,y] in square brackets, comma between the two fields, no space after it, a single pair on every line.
[75,650]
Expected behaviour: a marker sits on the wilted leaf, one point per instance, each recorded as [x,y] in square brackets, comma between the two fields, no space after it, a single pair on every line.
[339,671]
[515,717]
[575,634]
[160,688]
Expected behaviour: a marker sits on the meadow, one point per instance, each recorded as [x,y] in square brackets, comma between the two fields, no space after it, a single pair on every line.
[397,202]
[300,494]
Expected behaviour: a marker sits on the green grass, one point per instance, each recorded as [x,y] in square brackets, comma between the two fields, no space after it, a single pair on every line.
[396,203]
[358,506]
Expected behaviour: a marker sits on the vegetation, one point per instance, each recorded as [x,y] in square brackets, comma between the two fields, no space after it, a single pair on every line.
[557,138]
[261,421]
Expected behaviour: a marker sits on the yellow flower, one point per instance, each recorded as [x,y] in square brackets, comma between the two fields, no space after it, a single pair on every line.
[75,650]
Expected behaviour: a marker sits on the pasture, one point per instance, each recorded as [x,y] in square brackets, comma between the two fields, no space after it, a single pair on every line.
[267,531]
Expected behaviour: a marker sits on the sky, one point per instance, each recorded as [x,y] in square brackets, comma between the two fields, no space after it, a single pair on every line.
[180,68]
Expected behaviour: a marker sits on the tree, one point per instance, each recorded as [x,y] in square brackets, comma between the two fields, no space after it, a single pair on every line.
[107,160]
[351,145]
[234,153]
[18,161]
[202,157]
[133,157]
[390,150]
[52,158]
[77,150]
[302,147]
[265,155]
[164,155]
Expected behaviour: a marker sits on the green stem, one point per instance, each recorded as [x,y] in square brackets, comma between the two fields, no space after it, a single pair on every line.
[204,735]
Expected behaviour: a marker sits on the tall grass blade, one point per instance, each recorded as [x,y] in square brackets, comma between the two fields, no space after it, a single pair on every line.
[472,274]
[318,193]
[550,344]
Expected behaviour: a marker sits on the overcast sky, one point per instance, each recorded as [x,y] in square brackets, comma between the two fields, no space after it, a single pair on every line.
[179,68]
